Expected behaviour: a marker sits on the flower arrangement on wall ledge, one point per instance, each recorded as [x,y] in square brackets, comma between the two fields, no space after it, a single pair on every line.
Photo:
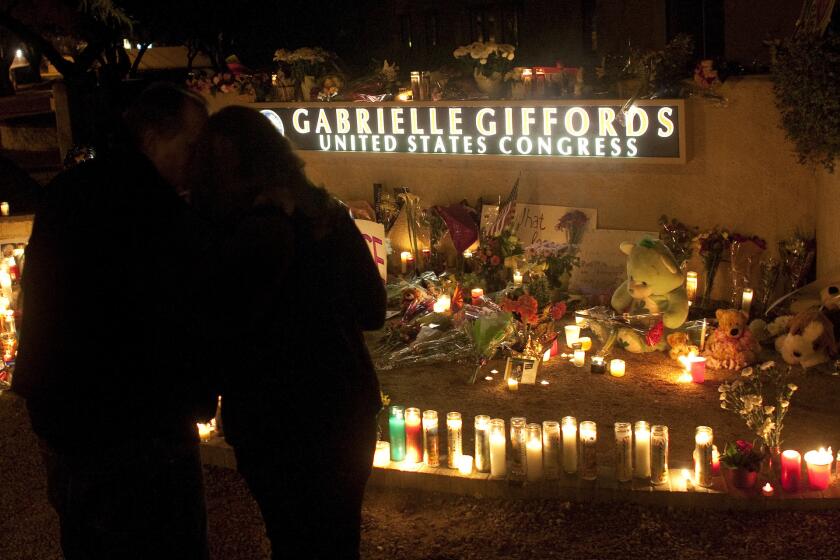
[487,58]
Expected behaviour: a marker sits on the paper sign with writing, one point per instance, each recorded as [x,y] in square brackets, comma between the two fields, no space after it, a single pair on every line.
[537,222]
[374,234]
[602,264]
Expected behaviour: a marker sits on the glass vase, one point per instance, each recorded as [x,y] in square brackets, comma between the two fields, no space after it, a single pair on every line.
[712,264]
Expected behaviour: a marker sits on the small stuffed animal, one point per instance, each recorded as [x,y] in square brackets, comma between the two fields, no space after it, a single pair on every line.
[654,284]
[763,331]
[732,345]
[830,301]
[680,345]
[810,340]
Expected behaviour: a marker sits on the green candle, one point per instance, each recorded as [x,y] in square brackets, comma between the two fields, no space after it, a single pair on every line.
[396,428]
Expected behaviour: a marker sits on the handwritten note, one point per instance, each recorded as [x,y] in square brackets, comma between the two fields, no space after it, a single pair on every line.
[374,234]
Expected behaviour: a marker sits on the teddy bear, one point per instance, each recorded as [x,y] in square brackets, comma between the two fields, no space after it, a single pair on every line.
[810,340]
[830,304]
[654,284]
[680,345]
[732,345]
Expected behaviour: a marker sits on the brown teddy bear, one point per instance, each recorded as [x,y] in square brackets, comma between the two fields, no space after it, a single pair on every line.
[680,345]
[732,345]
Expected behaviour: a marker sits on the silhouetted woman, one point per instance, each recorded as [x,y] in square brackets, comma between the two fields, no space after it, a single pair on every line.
[300,394]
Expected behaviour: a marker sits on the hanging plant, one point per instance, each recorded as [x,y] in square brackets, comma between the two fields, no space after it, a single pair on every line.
[806,78]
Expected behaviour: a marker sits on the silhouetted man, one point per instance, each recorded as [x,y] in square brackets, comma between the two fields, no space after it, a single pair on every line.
[107,360]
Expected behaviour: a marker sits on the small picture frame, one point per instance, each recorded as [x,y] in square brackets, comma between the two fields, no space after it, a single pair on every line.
[523,369]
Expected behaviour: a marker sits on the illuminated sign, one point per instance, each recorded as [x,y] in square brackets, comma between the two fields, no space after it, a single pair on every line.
[649,130]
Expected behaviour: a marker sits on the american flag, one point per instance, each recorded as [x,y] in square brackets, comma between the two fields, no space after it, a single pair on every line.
[506,211]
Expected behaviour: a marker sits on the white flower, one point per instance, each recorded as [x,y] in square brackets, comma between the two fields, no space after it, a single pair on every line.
[510,56]
[723,387]
[747,372]
[784,403]
[460,51]
[792,387]
[483,61]
[767,365]
[769,409]
[723,396]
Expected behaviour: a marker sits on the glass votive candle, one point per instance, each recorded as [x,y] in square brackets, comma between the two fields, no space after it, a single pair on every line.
[703,438]
[698,369]
[598,364]
[572,334]
[382,455]
[585,343]
[482,443]
[641,431]
[715,461]
[617,368]
[623,452]
[517,278]
[581,319]
[534,450]
[659,455]
[579,358]
[465,464]
[431,439]
[551,449]
[518,435]
[454,434]
[396,431]
[570,444]
[791,470]
[512,384]
[818,464]
[477,294]
[588,459]
[413,436]
[498,443]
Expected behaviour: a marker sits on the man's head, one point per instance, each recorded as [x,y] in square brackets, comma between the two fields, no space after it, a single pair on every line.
[166,122]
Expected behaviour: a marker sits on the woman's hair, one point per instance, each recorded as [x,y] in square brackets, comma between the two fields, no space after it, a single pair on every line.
[267,161]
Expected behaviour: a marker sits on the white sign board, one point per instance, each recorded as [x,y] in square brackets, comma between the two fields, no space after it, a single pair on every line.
[374,234]
[537,222]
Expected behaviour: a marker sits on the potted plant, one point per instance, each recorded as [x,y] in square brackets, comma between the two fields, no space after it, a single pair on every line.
[742,462]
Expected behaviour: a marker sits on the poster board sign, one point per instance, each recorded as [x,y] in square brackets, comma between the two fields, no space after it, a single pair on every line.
[536,222]
[595,130]
[374,234]
[603,267]
[523,369]
[16,229]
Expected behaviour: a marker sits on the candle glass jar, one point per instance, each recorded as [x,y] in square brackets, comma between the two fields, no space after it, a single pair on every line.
[659,455]
[454,434]
[570,444]
[623,452]
[598,364]
[415,86]
[382,455]
[534,451]
[641,431]
[498,443]
[517,448]
[572,334]
[703,437]
[482,443]
[551,449]
[588,459]
[396,431]
[431,440]
[413,436]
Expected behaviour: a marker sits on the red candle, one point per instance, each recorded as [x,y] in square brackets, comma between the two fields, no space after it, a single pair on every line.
[477,294]
[698,369]
[819,469]
[554,348]
[413,436]
[715,461]
[791,470]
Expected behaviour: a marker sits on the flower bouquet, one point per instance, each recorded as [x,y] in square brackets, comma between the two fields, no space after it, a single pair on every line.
[494,254]
[742,461]
[486,328]
[711,245]
[556,260]
[537,329]
[489,62]
[678,238]
[304,65]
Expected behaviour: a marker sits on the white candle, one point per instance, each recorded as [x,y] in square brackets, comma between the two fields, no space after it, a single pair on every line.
[572,334]
[205,431]
[746,300]
[4,208]
[498,460]
[517,278]
[580,358]
[6,284]
[569,428]
[465,464]
[468,254]
[767,490]
[547,355]
[642,450]
[405,256]
[442,304]
[580,321]
[534,462]
[588,456]
[703,335]
[382,455]
[512,384]
[617,368]
[690,286]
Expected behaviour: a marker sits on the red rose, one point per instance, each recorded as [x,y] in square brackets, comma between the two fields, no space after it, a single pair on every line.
[528,307]
[495,260]
[558,310]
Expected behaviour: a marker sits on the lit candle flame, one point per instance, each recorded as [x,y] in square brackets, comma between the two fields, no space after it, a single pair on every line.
[442,304]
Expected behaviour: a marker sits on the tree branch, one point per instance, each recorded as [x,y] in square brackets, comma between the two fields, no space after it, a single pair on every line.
[27,35]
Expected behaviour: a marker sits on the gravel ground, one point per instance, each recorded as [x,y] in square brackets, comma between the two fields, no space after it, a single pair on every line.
[409,525]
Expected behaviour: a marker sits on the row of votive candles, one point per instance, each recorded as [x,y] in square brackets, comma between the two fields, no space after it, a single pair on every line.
[641,450]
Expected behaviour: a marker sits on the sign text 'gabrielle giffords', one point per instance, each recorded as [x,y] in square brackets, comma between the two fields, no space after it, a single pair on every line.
[652,130]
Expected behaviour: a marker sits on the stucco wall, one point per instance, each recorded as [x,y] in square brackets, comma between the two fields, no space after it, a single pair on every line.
[828,224]
[741,174]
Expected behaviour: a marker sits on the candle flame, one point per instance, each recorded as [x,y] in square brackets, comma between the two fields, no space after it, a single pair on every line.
[442,304]
[767,487]
[686,474]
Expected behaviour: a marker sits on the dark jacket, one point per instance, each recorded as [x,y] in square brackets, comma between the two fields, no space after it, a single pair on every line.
[306,297]
[110,342]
